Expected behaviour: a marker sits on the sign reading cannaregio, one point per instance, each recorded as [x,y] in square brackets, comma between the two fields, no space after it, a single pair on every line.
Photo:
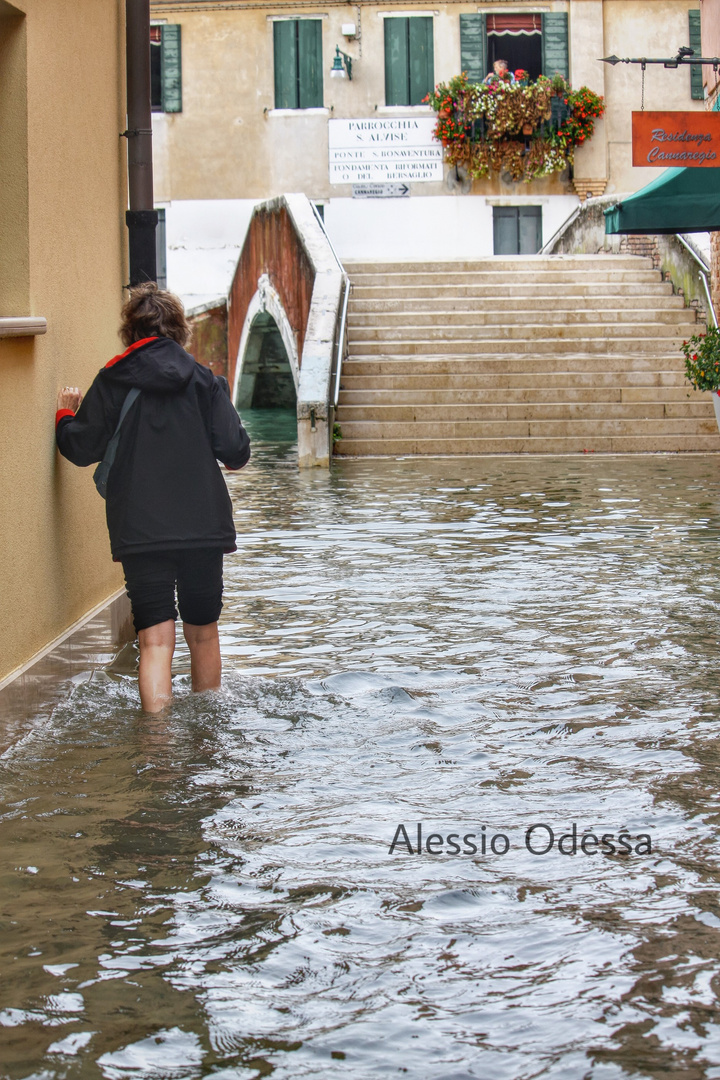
[384,150]
[685,139]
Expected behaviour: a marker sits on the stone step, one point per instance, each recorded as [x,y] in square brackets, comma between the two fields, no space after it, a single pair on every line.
[504,306]
[560,354]
[549,317]
[495,262]
[531,366]
[517,290]
[523,275]
[616,444]
[529,332]
[518,380]
[457,412]
[664,395]
[656,347]
[544,429]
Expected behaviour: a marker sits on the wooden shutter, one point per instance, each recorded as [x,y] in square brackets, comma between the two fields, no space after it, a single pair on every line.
[696,73]
[285,58]
[420,49]
[396,62]
[555,51]
[171,69]
[473,47]
[309,52]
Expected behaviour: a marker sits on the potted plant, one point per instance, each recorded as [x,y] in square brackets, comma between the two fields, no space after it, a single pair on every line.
[702,364]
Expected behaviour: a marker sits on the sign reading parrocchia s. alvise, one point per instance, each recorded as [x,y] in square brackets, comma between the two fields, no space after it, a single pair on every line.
[684,139]
[386,150]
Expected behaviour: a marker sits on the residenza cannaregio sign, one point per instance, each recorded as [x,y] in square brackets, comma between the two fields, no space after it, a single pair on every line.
[667,139]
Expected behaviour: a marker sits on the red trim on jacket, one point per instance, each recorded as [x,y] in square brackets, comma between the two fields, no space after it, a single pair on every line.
[132,348]
[62,412]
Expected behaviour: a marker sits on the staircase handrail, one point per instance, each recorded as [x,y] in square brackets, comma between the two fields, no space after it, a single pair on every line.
[702,270]
[547,247]
[341,327]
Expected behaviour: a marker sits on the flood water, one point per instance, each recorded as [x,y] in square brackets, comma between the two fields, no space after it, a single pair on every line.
[475,646]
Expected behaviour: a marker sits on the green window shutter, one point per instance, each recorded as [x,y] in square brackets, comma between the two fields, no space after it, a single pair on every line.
[397,80]
[696,73]
[309,53]
[171,69]
[555,48]
[473,47]
[285,57]
[420,49]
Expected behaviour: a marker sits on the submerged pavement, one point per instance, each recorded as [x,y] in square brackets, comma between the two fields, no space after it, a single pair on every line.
[507,655]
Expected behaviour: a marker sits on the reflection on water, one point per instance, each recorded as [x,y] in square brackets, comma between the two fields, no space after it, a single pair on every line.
[475,646]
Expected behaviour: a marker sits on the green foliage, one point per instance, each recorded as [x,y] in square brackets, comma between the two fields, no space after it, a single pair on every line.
[702,359]
[508,123]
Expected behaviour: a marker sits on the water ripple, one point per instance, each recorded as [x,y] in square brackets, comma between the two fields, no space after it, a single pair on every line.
[468,662]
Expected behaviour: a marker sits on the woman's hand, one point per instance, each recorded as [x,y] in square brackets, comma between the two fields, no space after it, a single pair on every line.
[69,398]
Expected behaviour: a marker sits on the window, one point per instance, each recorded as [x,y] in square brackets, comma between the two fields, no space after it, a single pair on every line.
[298,63]
[517,230]
[409,68]
[165,69]
[516,39]
[538,43]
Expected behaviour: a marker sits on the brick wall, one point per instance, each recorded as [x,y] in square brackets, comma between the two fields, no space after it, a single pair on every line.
[638,244]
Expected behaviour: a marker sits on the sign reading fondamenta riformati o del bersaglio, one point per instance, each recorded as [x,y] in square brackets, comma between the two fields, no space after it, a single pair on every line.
[667,139]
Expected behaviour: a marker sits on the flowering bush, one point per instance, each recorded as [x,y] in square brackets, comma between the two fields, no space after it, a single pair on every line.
[480,124]
[702,359]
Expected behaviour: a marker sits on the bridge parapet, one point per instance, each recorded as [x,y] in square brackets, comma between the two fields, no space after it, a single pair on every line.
[288,269]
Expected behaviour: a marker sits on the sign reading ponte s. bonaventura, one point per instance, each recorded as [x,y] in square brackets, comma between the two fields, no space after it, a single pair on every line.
[386,150]
[684,139]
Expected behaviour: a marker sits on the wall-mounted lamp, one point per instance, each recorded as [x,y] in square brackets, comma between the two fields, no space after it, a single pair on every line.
[341,63]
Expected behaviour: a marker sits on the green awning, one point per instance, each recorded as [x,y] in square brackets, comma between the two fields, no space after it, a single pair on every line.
[679,201]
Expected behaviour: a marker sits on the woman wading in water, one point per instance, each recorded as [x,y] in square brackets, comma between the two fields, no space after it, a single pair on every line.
[169,513]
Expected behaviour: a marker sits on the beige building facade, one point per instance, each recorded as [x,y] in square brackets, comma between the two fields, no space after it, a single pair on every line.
[62,270]
[235,138]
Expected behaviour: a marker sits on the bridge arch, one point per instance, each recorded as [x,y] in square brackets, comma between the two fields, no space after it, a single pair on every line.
[267,368]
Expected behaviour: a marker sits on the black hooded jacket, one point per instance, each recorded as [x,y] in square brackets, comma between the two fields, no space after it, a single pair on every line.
[165,489]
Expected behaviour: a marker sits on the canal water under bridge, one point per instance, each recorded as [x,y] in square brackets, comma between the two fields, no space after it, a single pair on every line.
[475,646]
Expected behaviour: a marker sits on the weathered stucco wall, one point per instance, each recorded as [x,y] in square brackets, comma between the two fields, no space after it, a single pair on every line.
[641,28]
[67,264]
[230,143]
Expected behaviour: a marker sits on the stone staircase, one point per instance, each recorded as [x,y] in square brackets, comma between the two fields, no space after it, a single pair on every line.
[554,354]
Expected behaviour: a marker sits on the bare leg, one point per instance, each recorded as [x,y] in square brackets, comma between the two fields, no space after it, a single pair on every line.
[205,664]
[157,645]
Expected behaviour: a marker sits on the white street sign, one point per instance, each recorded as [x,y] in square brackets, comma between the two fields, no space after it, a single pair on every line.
[380,191]
[396,149]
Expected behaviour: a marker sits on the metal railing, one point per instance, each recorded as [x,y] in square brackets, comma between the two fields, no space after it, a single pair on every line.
[341,326]
[702,270]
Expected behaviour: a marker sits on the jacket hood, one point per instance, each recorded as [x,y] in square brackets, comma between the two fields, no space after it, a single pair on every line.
[157,364]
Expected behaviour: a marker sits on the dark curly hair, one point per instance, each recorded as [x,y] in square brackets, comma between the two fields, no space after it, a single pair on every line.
[153,312]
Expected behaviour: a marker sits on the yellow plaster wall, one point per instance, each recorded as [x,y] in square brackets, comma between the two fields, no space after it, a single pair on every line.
[56,563]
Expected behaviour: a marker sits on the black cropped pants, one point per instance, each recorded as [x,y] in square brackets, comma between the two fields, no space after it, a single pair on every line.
[151,579]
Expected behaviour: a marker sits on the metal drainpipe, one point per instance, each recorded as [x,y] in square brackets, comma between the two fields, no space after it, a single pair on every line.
[141,218]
